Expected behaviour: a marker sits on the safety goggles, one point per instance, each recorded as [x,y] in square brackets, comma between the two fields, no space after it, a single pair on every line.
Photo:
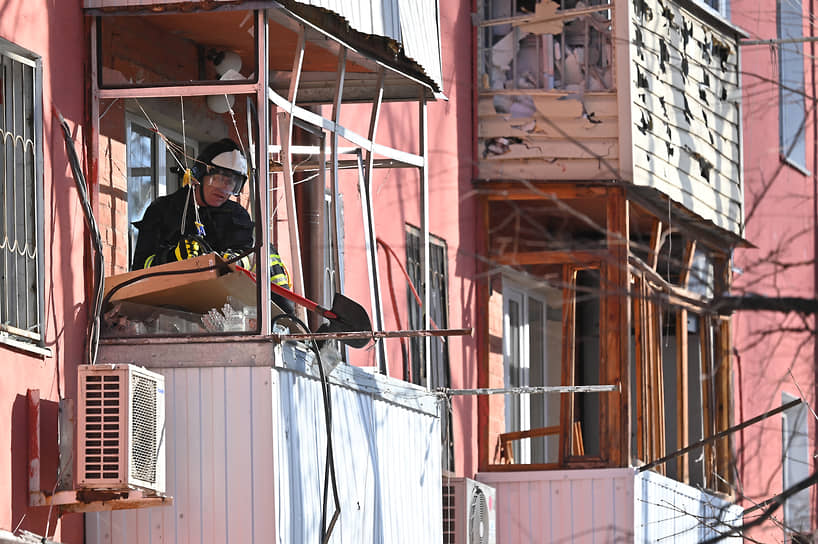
[226,180]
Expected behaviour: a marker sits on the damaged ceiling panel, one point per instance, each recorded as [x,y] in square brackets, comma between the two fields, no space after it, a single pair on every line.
[403,34]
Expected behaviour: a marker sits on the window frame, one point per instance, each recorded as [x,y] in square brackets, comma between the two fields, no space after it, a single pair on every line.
[523,294]
[158,164]
[792,145]
[794,434]
[12,335]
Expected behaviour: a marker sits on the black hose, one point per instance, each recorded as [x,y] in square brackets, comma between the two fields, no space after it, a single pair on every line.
[329,467]
[96,239]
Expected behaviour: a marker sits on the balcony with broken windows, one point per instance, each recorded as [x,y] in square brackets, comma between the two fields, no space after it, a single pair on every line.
[614,362]
[644,93]
[171,77]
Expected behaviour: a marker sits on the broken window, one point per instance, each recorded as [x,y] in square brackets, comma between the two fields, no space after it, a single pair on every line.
[21,225]
[141,50]
[548,45]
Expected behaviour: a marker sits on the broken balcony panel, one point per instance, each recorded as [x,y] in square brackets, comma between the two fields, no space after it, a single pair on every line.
[174,48]
[685,123]
[546,48]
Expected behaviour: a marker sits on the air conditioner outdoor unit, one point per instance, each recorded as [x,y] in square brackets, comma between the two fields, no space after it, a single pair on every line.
[121,428]
[468,512]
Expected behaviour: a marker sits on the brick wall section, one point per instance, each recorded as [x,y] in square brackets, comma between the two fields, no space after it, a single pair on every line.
[496,368]
[112,213]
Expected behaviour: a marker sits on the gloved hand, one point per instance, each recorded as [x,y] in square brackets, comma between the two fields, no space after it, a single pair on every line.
[187,248]
[245,262]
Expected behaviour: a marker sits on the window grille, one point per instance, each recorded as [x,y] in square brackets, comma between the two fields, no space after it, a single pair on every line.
[21,219]
[415,368]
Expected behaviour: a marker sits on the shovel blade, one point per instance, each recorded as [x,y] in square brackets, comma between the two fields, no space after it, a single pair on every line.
[351,318]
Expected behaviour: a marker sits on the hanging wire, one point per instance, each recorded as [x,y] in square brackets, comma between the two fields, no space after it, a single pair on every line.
[96,240]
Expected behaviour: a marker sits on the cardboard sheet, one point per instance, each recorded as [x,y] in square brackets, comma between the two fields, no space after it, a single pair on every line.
[206,284]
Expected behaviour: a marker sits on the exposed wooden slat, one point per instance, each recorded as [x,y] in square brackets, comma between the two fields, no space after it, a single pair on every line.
[569,280]
[615,330]
[538,126]
[545,149]
[687,263]
[553,257]
[706,374]
[602,104]
[639,363]
[659,390]
[535,169]
[650,378]
[655,243]
[504,190]
[682,394]
[724,391]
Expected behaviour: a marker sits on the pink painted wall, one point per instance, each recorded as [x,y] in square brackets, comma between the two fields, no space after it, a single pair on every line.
[53,30]
[779,202]
[452,212]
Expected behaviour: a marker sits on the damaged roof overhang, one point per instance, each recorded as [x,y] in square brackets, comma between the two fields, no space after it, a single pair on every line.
[656,202]
[326,33]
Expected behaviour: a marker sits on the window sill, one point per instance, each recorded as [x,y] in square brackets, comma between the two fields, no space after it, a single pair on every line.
[7,340]
[795,165]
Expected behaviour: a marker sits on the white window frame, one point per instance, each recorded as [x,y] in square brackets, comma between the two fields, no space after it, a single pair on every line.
[722,7]
[159,165]
[795,466]
[518,408]
[792,115]
[26,332]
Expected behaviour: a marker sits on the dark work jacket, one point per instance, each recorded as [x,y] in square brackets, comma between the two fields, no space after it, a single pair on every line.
[227,227]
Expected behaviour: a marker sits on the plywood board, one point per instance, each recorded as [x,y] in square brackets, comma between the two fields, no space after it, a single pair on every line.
[207,286]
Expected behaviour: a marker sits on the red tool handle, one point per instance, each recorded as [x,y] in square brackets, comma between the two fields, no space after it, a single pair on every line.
[298,299]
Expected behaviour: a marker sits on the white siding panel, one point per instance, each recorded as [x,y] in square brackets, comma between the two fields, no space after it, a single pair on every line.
[687,94]
[245,461]
[667,510]
[219,448]
[563,506]
[385,494]
[413,23]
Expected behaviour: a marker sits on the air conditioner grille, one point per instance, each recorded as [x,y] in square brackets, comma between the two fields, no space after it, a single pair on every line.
[143,446]
[478,517]
[102,423]
[448,515]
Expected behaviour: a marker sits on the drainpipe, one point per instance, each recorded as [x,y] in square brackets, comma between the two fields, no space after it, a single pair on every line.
[814,242]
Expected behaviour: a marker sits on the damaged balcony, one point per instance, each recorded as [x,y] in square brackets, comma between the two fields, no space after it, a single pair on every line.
[595,285]
[641,92]
[249,409]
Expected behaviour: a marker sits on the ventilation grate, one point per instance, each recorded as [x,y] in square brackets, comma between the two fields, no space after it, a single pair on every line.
[448,515]
[144,445]
[102,424]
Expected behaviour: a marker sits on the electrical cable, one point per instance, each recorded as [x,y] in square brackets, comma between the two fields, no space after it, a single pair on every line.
[329,466]
[96,239]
